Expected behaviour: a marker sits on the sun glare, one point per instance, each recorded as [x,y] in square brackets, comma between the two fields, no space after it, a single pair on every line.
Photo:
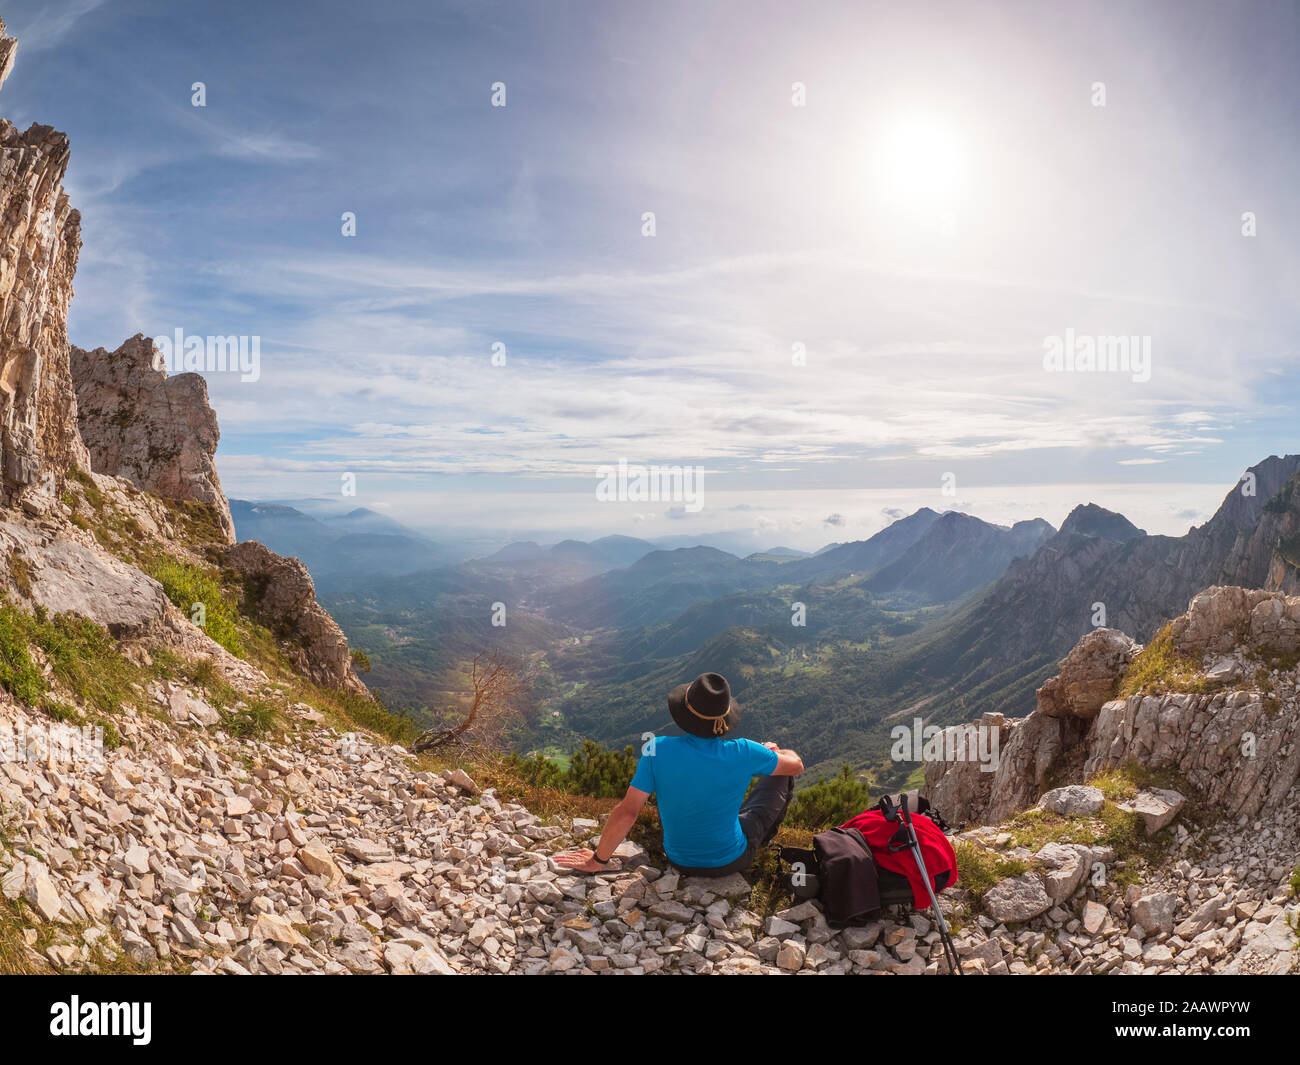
[918,167]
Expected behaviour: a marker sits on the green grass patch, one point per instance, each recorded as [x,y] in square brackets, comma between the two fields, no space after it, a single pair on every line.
[85,659]
[1159,668]
[979,869]
[88,487]
[190,585]
[256,717]
[19,675]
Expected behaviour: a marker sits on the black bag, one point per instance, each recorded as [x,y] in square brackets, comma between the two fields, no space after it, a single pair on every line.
[840,870]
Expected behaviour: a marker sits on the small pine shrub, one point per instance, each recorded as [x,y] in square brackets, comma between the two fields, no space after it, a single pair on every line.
[829,802]
[592,770]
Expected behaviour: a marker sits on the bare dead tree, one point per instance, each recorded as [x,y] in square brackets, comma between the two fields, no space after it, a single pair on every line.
[496,686]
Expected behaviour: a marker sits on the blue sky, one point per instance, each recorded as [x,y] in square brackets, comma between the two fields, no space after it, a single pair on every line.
[948,196]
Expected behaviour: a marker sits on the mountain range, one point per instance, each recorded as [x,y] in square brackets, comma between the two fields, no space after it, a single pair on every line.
[943,614]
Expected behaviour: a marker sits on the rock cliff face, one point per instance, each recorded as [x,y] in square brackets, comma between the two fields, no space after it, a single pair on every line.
[40,239]
[1234,736]
[156,431]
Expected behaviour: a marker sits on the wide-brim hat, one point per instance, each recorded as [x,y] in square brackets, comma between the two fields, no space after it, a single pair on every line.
[704,707]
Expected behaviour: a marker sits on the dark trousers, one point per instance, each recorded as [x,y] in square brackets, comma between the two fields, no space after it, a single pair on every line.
[761,815]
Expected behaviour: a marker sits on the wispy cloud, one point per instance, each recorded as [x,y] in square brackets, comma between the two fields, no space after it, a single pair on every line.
[782,328]
[55,20]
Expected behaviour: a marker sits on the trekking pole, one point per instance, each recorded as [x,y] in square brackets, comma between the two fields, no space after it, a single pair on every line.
[903,815]
[949,950]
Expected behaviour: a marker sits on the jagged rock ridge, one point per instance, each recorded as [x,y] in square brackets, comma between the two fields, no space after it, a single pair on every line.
[156,431]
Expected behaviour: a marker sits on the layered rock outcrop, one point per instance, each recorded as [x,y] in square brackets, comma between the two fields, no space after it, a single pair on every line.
[156,431]
[279,592]
[1235,737]
[40,239]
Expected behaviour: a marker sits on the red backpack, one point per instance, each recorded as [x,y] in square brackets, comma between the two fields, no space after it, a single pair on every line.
[940,859]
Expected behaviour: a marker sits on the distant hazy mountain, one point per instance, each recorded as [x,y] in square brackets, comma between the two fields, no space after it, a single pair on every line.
[865,556]
[956,555]
[356,542]
[963,554]
[776,554]
[657,587]
[609,552]
[520,551]
[999,647]
[1092,520]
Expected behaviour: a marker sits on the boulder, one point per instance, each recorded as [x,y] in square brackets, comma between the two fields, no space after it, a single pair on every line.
[1155,912]
[1094,917]
[67,577]
[1088,675]
[960,789]
[1156,806]
[1065,865]
[1073,800]
[1017,899]
[42,894]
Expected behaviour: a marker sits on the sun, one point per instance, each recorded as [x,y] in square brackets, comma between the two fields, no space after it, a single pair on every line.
[918,167]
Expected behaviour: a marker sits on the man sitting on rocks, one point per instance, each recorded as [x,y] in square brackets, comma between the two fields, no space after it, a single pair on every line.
[710,828]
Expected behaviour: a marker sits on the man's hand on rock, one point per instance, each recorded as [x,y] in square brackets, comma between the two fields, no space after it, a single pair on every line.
[580,861]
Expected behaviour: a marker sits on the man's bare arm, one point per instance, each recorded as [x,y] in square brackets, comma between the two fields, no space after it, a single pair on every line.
[788,763]
[617,825]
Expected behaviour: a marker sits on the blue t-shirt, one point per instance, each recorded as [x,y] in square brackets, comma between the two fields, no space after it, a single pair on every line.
[701,784]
